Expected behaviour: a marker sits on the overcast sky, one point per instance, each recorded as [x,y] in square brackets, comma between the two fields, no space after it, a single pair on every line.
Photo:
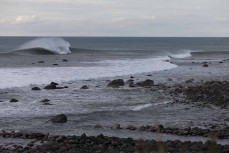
[114,18]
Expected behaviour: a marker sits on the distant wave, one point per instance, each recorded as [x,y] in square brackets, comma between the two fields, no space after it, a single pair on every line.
[46,46]
[198,53]
[186,53]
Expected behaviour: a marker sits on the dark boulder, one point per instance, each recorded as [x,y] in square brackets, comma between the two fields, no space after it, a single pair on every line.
[205,65]
[52,85]
[84,87]
[129,81]
[13,100]
[131,85]
[116,83]
[116,127]
[146,83]
[46,102]
[131,127]
[36,88]
[61,118]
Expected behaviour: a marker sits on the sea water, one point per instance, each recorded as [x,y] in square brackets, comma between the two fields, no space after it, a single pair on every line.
[112,57]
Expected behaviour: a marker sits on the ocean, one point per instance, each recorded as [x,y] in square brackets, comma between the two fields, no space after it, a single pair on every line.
[94,57]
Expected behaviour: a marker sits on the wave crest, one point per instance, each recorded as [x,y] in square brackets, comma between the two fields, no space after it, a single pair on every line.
[54,45]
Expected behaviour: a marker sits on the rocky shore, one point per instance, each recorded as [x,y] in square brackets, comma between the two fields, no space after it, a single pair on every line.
[43,143]
[190,92]
[209,92]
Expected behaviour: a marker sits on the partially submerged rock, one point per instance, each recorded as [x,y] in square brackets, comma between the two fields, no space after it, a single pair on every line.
[116,83]
[35,88]
[146,83]
[84,87]
[53,85]
[61,118]
[13,100]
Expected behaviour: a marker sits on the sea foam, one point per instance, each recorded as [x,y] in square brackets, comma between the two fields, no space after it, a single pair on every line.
[19,77]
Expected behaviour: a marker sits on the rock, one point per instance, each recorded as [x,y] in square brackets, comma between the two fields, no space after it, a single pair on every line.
[149,75]
[116,83]
[52,85]
[40,62]
[169,79]
[13,100]
[84,87]
[65,60]
[45,100]
[49,146]
[131,85]
[55,64]
[189,81]
[131,77]
[131,127]
[146,83]
[61,118]
[36,88]
[83,136]
[129,81]
[116,127]
[205,65]
[97,126]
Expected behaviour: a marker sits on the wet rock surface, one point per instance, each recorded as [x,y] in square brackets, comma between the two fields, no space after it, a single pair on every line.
[146,83]
[103,144]
[195,131]
[116,83]
[54,85]
[61,118]
[210,92]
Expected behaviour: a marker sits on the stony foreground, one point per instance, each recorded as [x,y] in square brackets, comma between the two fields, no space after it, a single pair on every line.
[41,143]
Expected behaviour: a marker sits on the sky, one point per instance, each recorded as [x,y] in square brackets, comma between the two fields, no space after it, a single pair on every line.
[151,18]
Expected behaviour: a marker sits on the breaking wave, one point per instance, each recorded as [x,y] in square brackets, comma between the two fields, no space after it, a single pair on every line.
[185,53]
[46,46]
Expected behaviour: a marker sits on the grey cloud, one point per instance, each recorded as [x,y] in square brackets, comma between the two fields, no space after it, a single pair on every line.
[115,17]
